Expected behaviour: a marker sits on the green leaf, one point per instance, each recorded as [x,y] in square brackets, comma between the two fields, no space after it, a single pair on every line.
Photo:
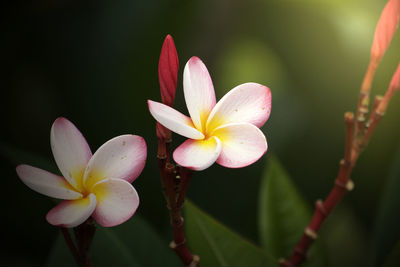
[345,238]
[217,245]
[283,215]
[387,231]
[133,243]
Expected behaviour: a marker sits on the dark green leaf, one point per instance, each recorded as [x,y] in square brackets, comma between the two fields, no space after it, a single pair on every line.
[219,246]
[133,243]
[345,238]
[387,231]
[283,215]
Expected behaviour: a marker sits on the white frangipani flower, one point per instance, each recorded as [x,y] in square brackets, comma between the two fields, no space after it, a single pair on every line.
[226,132]
[96,185]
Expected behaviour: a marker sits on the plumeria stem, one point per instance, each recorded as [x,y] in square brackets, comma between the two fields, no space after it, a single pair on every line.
[84,234]
[355,142]
[363,100]
[70,244]
[175,181]
[358,134]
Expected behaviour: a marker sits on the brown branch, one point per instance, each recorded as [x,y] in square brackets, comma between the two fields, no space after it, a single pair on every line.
[363,100]
[84,234]
[358,135]
[175,181]
[71,245]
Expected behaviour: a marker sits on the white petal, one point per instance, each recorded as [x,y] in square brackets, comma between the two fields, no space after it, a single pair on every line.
[70,151]
[46,183]
[71,213]
[199,92]
[249,102]
[122,157]
[174,120]
[198,154]
[117,201]
[242,144]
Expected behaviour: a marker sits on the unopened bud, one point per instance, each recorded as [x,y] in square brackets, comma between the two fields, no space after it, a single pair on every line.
[395,82]
[168,71]
[385,29]
[162,132]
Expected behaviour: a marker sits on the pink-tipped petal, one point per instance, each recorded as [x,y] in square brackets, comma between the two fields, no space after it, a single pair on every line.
[70,150]
[117,201]
[248,102]
[168,71]
[242,144]
[199,91]
[71,213]
[46,183]
[385,29]
[122,157]
[174,120]
[198,154]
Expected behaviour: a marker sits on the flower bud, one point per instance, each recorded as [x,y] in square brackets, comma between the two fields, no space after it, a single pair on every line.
[168,71]
[393,87]
[162,132]
[395,83]
[385,29]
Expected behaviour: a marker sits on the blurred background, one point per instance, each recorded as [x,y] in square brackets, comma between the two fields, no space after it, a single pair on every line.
[95,62]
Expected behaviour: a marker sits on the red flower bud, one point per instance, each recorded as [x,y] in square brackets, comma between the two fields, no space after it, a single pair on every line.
[385,29]
[395,83]
[162,132]
[168,71]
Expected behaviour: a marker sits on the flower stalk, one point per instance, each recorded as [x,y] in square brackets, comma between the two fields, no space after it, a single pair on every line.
[358,131]
[175,181]
[70,244]
[356,140]
[385,29]
[84,235]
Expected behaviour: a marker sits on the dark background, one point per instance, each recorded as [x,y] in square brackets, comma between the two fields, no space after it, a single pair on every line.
[95,62]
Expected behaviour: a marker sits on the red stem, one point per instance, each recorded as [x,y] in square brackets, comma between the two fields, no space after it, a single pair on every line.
[358,135]
[84,234]
[71,245]
[175,181]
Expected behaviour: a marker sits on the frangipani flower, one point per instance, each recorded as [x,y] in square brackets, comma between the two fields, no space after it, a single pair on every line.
[96,185]
[226,132]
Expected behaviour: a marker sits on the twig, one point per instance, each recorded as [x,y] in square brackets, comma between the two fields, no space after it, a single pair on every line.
[358,135]
[71,245]
[175,181]
[84,234]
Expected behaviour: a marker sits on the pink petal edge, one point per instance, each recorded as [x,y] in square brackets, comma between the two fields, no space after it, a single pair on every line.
[248,102]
